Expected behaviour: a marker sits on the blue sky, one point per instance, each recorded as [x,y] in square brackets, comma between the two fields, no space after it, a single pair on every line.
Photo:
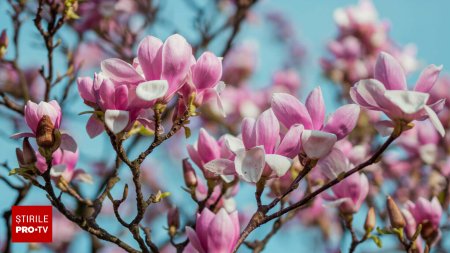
[424,23]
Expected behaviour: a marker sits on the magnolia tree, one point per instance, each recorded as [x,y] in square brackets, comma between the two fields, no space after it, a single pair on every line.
[260,158]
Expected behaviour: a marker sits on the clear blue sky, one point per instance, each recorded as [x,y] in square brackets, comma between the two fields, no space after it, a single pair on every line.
[424,23]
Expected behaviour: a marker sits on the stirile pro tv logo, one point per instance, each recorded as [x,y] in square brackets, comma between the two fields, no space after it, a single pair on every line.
[31,224]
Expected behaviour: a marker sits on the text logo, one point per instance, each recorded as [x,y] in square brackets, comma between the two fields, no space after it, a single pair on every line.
[31,224]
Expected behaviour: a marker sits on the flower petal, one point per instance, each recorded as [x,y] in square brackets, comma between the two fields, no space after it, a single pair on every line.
[291,144]
[317,144]
[267,131]
[194,240]
[152,90]
[150,57]
[68,143]
[435,120]
[250,164]
[176,60]
[343,120]
[94,127]
[389,72]
[316,108]
[248,132]
[234,144]
[385,127]
[290,111]
[207,71]
[427,78]
[221,233]
[116,120]
[409,102]
[120,71]
[279,164]
[221,166]
[21,135]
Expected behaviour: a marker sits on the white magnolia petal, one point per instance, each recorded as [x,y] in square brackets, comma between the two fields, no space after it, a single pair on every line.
[278,163]
[234,144]
[227,178]
[435,120]
[116,120]
[221,166]
[57,170]
[408,101]
[317,144]
[152,90]
[250,164]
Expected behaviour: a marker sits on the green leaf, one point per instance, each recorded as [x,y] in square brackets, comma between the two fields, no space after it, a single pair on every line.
[86,112]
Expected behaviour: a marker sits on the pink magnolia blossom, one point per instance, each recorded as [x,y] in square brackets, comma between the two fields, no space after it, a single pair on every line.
[351,192]
[63,165]
[204,80]
[115,100]
[158,72]
[240,63]
[214,232]
[421,141]
[425,211]
[261,149]
[207,149]
[388,93]
[34,113]
[317,138]
[286,81]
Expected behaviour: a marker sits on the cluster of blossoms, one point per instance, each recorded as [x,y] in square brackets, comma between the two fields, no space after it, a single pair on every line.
[362,36]
[122,92]
[286,148]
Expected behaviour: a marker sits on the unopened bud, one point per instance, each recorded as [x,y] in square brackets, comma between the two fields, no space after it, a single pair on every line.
[19,155]
[44,133]
[395,216]
[173,221]
[190,178]
[369,225]
[29,155]
[4,41]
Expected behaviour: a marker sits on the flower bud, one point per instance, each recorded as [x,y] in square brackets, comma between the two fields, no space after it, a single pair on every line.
[44,133]
[190,178]
[369,225]
[173,221]
[4,41]
[395,216]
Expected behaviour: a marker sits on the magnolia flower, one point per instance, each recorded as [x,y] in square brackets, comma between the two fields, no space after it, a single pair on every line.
[214,232]
[421,141]
[63,165]
[204,80]
[207,149]
[240,63]
[388,93]
[260,145]
[350,193]
[34,113]
[286,80]
[317,138]
[425,211]
[158,72]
